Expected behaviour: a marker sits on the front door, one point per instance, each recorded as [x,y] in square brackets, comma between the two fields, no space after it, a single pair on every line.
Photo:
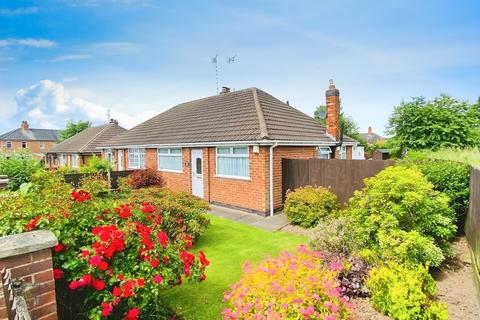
[120,160]
[197,173]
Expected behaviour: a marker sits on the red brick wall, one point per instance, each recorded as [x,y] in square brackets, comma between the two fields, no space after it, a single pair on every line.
[176,181]
[290,153]
[35,270]
[33,146]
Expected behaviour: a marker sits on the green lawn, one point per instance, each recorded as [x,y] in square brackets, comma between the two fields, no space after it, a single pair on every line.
[227,244]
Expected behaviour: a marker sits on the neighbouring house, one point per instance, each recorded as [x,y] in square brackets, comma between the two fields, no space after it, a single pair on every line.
[228,148]
[37,141]
[77,150]
[371,137]
[381,154]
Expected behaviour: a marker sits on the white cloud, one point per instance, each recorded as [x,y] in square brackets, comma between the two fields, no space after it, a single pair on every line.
[47,104]
[28,42]
[71,57]
[18,11]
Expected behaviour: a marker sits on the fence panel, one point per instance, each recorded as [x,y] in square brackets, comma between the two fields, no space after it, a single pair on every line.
[472,224]
[75,178]
[342,176]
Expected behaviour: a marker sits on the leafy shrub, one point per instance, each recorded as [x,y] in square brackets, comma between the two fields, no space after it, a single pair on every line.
[116,258]
[144,178]
[96,165]
[95,184]
[409,247]
[335,235]
[307,205]
[19,168]
[352,278]
[405,294]
[290,286]
[400,198]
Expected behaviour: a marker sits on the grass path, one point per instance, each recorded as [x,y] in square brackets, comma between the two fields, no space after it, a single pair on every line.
[227,244]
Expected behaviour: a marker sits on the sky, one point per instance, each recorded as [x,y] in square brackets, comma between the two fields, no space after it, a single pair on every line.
[66,60]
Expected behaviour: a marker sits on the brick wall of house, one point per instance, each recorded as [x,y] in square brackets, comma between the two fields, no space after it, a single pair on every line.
[248,194]
[30,262]
[33,146]
[290,153]
[175,181]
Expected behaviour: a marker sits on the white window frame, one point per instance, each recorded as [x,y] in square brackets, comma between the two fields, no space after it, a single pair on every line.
[324,152]
[26,145]
[171,155]
[75,158]
[342,153]
[63,160]
[232,155]
[109,156]
[139,154]
[8,144]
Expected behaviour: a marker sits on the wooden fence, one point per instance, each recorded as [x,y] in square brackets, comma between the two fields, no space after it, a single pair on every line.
[472,224]
[75,178]
[342,176]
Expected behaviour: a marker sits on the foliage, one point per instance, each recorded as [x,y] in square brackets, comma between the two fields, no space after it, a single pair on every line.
[114,255]
[335,235]
[95,184]
[291,286]
[469,156]
[72,128]
[66,170]
[409,248]
[96,165]
[144,178]
[227,243]
[350,127]
[405,294]
[400,198]
[450,177]
[307,205]
[19,168]
[352,278]
[434,124]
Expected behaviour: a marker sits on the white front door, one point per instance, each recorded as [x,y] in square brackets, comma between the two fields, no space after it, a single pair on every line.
[120,160]
[197,172]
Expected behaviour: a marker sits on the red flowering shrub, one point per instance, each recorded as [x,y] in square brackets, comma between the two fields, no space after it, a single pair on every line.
[144,178]
[115,254]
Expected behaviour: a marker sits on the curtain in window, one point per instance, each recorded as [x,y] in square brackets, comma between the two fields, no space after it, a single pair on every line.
[170,162]
[233,166]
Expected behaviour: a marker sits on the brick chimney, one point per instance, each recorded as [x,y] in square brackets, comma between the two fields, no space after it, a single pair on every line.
[24,125]
[332,120]
[370,131]
[225,90]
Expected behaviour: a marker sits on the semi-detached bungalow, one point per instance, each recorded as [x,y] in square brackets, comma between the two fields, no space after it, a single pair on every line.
[228,149]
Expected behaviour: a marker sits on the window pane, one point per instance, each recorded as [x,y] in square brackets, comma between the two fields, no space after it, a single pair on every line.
[175,151]
[233,166]
[163,151]
[167,162]
[223,150]
[240,150]
[198,166]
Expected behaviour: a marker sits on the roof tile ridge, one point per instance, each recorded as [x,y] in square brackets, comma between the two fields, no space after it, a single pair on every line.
[95,136]
[260,115]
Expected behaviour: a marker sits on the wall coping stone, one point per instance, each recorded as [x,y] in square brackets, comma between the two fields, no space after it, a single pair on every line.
[26,242]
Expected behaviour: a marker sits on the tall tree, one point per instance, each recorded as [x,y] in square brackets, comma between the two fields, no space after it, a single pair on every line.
[433,124]
[72,128]
[350,127]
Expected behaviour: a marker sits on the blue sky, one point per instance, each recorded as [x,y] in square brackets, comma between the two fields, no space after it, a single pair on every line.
[70,59]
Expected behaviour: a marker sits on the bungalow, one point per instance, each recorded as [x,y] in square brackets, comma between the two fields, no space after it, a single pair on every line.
[228,149]
[75,151]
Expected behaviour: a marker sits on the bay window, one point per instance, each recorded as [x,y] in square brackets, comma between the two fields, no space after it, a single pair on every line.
[233,162]
[170,159]
[136,158]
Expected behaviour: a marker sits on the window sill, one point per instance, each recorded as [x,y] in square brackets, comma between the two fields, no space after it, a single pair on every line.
[170,171]
[232,177]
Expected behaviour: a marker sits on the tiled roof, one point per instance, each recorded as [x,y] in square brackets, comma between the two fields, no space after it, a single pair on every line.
[372,138]
[244,115]
[89,139]
[31,135]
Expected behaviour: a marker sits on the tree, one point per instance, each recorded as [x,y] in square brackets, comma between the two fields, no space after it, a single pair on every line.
[350,127]
[72,128]
[433,124]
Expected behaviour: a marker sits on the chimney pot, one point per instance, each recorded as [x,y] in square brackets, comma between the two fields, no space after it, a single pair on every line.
[370,130]
[24,125]
[225,90]
[113,121]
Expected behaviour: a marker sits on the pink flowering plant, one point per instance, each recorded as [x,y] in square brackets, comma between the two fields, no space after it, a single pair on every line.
[290,286]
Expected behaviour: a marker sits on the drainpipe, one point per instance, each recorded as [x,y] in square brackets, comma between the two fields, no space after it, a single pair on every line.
[271,177]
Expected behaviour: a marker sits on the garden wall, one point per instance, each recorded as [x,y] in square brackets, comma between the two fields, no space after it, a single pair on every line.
[342,176]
